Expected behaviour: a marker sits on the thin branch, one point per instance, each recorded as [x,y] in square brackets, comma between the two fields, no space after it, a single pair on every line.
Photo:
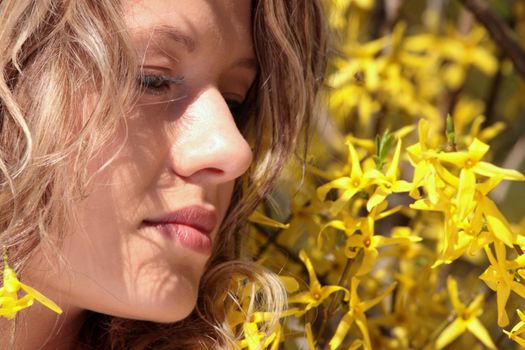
[500,32]
[492,97]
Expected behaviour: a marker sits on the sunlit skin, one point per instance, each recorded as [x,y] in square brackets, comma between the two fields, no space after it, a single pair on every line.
[187,152]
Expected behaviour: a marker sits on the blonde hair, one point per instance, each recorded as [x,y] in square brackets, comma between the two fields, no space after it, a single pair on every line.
[56,54]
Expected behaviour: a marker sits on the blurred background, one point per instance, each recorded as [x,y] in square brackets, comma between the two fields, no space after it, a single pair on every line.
[458,65]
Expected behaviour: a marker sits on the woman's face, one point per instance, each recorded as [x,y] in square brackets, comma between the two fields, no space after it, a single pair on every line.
[144,234]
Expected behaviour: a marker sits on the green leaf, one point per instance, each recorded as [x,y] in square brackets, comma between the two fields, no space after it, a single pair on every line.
[383,146]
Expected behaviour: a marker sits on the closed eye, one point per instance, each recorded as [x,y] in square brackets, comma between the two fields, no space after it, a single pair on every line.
[158,84]
[239,111]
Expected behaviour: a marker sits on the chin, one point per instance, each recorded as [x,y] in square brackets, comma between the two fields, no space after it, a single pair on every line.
[171,304]
[157,310]
[167,302]
[174,311]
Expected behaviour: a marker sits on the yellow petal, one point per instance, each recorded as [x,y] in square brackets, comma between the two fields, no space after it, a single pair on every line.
[496,222]
[343,182]
[371,303]
[352,246]
[518,327]
[327,290]
[277,341]
[382,214]
[290,284]
[490,170]
[518,288]
[369,260]
[354,298]
[339,204]
[477,328]
[423,132]
[341,331]
[252,336]
[477,150]
[453,330]
[354,161]
[309,336]
[452,287]
[491,183]
[10,310]
[361,323]
[446,175]
[431,185]
[11,282]
[401,186]
[271,339]
[314,282]
[466,191]
[404,131]
[377,198]
[303,298]
[492,131]
[490,256]
[521,315]
[365,4]
[337,224]
[517,339]
[261,219]
[423,204]
[502,296]
[356,344]
[459,159]
[41,298]
[484,60]
[394,165]
[475,307]
[454,75]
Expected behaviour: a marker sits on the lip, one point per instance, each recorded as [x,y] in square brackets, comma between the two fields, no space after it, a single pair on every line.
[190,226]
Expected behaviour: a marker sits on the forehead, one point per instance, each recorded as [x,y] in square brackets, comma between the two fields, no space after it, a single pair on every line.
[219,24]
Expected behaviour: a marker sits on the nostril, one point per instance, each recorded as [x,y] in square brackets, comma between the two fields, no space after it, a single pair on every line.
[215,171]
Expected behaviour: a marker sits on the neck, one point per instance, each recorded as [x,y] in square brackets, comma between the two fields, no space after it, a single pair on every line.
[40,328]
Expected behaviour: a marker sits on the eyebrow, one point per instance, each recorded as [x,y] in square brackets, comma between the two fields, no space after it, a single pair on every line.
[190,44]
[176,35]
[247,62]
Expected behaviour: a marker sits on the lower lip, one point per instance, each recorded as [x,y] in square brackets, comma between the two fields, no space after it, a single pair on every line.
[188,237]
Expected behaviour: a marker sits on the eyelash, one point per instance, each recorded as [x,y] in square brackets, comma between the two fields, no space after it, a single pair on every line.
[159,84]
[238,111]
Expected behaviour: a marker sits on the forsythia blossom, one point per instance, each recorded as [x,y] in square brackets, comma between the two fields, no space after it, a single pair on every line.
[10,302]
[405,236]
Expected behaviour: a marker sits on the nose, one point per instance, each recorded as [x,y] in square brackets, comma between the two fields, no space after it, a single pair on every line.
[207,144]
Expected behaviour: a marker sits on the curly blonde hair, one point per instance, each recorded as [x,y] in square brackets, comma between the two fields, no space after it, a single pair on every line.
[57,52]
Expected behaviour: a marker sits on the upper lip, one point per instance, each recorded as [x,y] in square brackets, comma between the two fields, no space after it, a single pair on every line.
[195,216]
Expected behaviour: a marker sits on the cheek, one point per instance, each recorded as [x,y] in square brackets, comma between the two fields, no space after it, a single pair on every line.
[113,267]
[115,187]
[224,197]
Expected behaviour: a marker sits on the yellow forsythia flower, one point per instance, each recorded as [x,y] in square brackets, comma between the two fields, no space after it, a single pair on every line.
[517,330]
[466,320]
[316,293]
[350,185]
[10,304]
[499,278]
[356,313]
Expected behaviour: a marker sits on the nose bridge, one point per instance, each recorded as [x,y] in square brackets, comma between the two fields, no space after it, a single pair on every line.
[209,146]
